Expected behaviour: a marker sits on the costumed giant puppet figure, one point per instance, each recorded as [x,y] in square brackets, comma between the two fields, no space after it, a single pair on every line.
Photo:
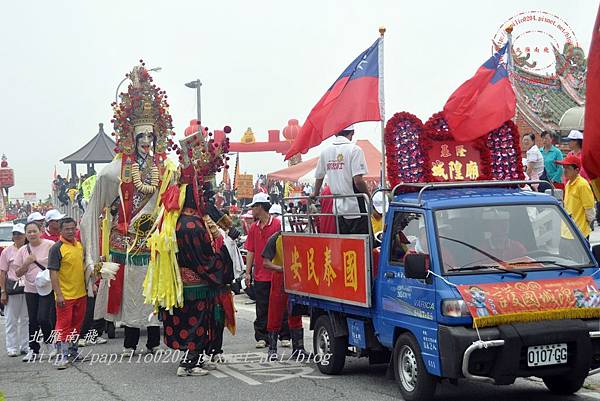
[192,260]
[124,207]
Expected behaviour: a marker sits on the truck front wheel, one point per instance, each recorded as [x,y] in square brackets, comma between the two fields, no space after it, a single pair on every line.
[331,350]
[564,385]
[416,384]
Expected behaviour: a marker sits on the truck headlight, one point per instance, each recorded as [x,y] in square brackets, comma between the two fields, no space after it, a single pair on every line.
[455,308]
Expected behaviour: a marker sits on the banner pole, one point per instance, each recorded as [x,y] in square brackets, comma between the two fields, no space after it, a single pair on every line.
[383,183]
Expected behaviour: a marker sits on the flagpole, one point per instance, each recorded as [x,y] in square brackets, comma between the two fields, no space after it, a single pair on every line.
[509,56]
[383,183]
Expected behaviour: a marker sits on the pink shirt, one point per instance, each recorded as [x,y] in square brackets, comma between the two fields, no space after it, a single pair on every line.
[41,256]
[7,261]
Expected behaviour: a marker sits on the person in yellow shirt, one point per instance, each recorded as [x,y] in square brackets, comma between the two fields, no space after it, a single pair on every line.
[579,199]
[380,201]
[68,276]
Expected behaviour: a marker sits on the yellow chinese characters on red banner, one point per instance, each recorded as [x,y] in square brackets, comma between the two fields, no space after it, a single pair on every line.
[523,301]
[326,267]
[454,161]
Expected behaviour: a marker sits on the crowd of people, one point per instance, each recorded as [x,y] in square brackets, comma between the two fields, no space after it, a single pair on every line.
[73,189]
[49,290]
[44,287]
[564,172]
[19,210]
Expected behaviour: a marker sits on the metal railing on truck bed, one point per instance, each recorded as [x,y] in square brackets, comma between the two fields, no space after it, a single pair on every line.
[424,186]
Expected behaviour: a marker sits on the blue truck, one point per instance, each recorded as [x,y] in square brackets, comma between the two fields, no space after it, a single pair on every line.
[439,238]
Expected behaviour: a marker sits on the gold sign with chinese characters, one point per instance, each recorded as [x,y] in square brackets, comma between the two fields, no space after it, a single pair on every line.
[454,161]
[326,267]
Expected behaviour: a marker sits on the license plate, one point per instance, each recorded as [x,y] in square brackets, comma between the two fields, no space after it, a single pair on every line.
[550,354]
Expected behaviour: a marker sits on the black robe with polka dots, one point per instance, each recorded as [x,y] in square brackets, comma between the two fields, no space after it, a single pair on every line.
[198,326]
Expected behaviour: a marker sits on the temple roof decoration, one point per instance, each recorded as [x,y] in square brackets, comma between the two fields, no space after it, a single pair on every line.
[543,99]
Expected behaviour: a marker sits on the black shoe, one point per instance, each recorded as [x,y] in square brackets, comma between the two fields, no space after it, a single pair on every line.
[110,329]
[298,344]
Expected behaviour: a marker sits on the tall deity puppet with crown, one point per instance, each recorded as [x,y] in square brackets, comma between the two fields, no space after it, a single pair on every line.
[124,204]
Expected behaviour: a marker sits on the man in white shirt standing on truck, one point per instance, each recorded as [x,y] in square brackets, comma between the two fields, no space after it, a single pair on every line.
[343,162]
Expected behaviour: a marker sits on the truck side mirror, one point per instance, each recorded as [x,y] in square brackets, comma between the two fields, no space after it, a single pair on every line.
[596,252]
[416,266]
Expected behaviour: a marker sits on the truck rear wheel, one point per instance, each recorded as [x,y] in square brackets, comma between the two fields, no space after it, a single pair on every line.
[416,384]
[564,385]
[324,343]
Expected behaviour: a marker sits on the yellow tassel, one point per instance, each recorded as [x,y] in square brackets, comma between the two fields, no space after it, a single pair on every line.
[163,287]
[554,314]
[106,234]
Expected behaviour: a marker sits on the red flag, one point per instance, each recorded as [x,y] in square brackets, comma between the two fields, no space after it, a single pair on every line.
[357,95]
[483,103]
[591,143]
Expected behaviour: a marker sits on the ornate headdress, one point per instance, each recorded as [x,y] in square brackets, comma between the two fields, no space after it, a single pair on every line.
[201,157]
[143,105]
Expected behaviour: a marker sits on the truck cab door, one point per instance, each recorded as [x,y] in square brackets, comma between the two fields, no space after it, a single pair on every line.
[402,302]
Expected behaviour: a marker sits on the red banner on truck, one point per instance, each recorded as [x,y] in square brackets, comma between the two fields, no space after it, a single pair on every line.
[524,301]
[329,267]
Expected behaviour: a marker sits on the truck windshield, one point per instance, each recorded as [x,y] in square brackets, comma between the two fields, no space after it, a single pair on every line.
[514,237]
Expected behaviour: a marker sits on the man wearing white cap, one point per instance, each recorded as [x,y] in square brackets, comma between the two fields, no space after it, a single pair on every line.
[344,164]
[52,231]
[575,144]
[37,217]
[258,235]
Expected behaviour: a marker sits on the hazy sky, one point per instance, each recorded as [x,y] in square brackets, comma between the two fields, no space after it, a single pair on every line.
[261,63]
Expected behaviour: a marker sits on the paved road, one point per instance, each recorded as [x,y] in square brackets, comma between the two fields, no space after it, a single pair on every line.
[238,380]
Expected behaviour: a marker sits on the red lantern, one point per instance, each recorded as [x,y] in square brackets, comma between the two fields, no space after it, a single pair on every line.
[292,130]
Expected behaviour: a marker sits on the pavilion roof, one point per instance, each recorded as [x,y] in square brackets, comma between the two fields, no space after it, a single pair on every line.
[100,149]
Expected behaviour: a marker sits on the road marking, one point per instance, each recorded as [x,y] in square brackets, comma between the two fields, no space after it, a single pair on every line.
[217,374]
[281,375]
[239,376]
[590,394]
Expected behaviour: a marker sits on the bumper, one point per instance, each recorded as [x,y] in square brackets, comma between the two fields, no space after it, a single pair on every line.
[500,354]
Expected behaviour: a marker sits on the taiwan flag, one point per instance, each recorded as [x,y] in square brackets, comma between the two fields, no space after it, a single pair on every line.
[483,103]
[357,95]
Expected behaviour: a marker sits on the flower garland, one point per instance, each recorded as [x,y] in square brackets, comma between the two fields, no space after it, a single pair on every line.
[408,141]
[505,153]
[139,184]
[404,157]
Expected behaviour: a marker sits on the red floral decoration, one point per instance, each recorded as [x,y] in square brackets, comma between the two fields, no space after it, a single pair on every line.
[505,152]
[404,160]
[408,142]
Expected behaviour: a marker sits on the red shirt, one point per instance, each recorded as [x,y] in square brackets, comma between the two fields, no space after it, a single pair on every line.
[56,237]
[51,237]
[255,243]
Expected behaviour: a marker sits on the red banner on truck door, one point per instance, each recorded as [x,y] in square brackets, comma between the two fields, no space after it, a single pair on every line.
[328,267]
